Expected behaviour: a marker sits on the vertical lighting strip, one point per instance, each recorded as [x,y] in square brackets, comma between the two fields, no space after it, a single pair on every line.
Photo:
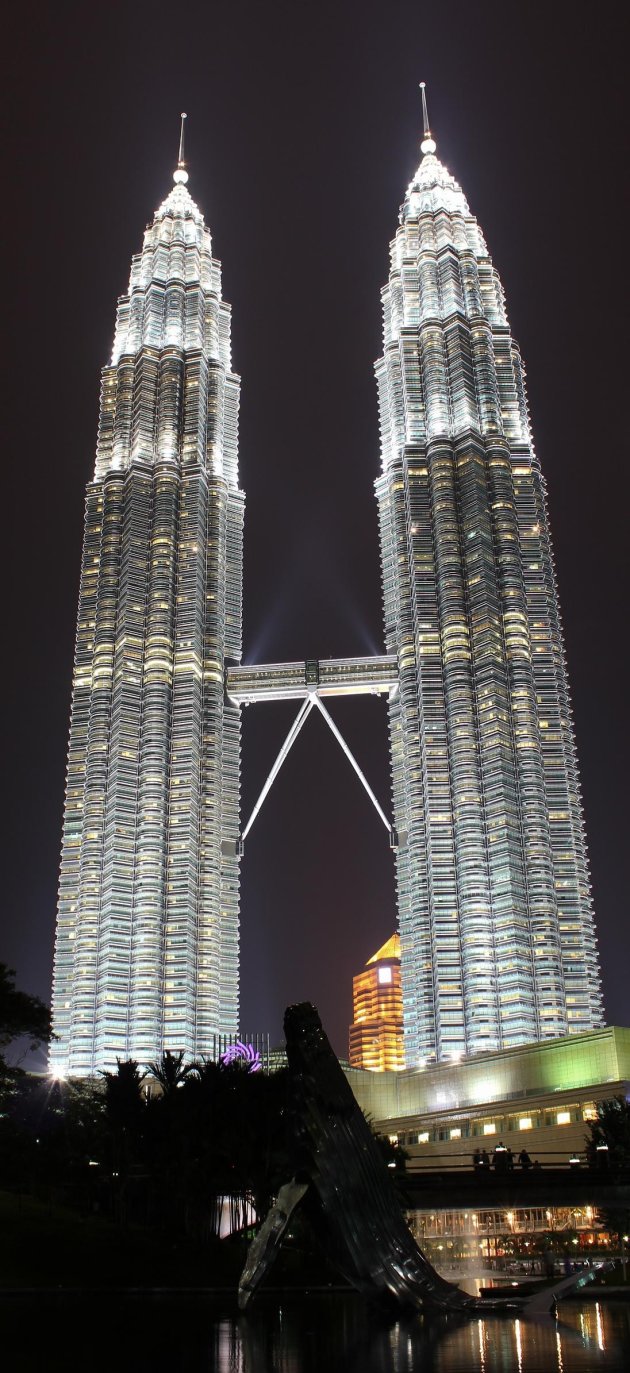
[497,935]
[147,936]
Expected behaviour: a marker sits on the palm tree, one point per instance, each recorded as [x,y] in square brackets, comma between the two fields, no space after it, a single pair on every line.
[123,1095]
[124,1114]
[170,1071]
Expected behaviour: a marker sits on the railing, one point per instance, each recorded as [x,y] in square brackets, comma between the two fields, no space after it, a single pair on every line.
[327,676]
[558,1159]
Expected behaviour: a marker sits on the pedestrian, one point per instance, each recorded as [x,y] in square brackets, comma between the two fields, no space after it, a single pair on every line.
[485,1160]
[537,1163]
[524,1160]
[509,1159]
[477,1160]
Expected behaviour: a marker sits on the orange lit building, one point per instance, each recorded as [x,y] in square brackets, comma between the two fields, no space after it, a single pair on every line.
[376,1036]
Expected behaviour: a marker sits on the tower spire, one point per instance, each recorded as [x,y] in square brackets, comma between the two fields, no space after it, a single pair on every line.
[180,175]
[428,142]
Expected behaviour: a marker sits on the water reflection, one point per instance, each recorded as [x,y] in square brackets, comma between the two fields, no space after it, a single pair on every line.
[192,1333]
[322,1336]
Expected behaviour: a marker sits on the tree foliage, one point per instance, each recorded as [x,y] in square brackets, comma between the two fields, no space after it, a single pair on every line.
[21,1014]
[611,1128]
[170,1071]
[123,1099]
[164,1158]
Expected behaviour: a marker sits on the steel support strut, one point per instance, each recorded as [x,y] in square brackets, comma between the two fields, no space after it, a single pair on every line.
[305,709]
[313,699]
[351,758]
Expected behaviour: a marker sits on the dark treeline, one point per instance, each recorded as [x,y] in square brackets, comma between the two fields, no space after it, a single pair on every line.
[180,1150]
[173,1147]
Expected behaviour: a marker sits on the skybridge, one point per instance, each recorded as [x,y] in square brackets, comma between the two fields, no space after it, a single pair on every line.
[309,682]
[326,676]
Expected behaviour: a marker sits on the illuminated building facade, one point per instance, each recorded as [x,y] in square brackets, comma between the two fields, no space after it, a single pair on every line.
[538,1097]
[147,935]
[376,1035]
[495,916]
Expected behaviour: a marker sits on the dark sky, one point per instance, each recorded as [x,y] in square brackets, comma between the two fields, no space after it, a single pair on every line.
[303,132]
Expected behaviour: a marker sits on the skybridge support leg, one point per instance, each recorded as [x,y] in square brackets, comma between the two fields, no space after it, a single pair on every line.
[304,711]
[351,758]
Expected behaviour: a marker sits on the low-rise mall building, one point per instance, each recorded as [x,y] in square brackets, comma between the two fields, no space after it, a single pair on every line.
[539,1097]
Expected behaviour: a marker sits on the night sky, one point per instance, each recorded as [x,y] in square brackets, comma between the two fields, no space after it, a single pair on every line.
[303,132]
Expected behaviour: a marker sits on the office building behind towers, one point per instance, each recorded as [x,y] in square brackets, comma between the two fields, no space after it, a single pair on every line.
[376,1034]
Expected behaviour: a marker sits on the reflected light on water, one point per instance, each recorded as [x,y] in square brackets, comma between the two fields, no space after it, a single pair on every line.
[332,1334]
[482,1347]
[228,1348]
[559,1351]
[519,1345]
[600,1327]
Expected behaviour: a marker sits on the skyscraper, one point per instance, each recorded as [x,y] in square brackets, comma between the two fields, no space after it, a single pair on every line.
[495,914]
[147,935]
[495,917]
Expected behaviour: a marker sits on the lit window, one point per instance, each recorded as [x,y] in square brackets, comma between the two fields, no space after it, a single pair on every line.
[490,1128]
[424,1137]
[525,1123]
[384,974]
[563,1118]
[455,1134]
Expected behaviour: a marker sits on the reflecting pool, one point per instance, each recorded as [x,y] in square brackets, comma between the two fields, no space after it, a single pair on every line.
[318,1334]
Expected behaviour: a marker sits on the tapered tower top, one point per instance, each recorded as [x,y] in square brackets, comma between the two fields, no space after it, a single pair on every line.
[173,304]
[432,188]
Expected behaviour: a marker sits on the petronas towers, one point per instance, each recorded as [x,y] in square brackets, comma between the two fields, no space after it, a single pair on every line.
[495,917]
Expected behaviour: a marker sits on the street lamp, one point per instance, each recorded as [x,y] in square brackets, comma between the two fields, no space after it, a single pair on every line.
[601,1150]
